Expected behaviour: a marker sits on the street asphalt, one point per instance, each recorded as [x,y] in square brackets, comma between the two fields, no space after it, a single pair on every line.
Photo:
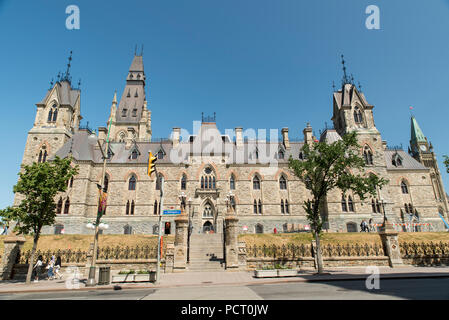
[390,289]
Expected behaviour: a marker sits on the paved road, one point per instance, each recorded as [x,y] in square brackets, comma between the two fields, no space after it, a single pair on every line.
[335,290]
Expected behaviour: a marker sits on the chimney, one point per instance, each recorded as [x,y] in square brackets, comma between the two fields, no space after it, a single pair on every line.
[175,137]
[308,138]
[239,137]
[285,140]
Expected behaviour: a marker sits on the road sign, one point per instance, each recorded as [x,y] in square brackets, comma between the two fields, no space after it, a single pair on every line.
[171,212]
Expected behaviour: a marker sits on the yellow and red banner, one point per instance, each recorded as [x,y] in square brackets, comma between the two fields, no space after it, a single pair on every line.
[103,196]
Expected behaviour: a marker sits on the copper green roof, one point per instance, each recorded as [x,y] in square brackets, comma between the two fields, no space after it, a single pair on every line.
[416,135]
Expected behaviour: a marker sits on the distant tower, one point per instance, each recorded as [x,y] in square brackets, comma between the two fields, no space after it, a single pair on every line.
[57,119]
[422,151]
[131,120]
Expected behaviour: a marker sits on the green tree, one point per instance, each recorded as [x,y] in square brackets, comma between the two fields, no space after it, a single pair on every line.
[39,184]
[446,163]
[324,168]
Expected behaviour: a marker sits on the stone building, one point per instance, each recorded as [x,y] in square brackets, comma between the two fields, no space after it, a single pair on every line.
[206,171]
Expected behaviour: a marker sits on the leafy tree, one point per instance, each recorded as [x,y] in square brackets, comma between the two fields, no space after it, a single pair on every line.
[39,183]
[446,163]
[324,168]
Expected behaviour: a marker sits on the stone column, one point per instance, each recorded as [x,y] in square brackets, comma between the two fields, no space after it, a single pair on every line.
[169,257]
[390,243]
[232,252]
[180,258]
[12,245]
[242,255]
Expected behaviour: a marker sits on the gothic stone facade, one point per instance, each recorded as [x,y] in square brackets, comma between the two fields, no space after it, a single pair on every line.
[207,165]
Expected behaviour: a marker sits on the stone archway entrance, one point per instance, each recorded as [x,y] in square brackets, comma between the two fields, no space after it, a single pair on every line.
[208,227]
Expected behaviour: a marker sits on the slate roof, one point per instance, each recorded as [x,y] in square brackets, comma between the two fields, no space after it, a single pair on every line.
[67,95]
[408,162]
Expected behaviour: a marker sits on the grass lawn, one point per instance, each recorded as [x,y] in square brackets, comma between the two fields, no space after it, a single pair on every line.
[76,241]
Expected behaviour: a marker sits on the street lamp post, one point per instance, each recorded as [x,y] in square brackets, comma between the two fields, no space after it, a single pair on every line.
[189,232]
[91,280]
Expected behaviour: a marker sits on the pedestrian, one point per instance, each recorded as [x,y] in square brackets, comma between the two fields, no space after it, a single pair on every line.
[58,267]
[361,227]
[50,268]
[371,227]
[37,269]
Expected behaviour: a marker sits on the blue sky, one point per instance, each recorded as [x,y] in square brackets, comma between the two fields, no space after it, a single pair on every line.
[256,63]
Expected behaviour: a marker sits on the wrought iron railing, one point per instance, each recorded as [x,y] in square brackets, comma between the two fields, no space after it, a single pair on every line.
[424,249]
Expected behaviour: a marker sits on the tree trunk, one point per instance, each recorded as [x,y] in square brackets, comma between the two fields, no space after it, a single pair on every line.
[319,258]
[31,261]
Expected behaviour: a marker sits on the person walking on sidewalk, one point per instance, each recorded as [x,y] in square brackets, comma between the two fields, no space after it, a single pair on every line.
[37,269]
[58,267]
[50,268]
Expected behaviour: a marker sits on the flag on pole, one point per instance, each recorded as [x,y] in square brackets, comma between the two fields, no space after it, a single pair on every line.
[102,198]
[411,108]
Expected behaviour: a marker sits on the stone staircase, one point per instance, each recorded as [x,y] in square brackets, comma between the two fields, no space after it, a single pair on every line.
[206,253]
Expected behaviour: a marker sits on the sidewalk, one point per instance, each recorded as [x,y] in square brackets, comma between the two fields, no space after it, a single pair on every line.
[230,278]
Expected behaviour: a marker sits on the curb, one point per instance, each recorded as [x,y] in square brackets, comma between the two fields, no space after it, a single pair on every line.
[316,278]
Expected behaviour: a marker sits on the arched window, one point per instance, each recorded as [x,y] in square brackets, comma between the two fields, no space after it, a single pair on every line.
[350,204]
[132,207]
[404,187]
[55,114]
[183,182]
[42,155]
[155,229]
[132,183]
[50,115]
[260,207]
[67,206]
[59,206]
[121,137]
[127,229]
[368,155]
[255,207]
[256,183]
[134,154]
[207,212]
[283,183]
[344,207]
[127,207]
[160,154]
[287,209]
[358,115]
[259,228]
[232,182]
[282,206]
[155,211]
[373,206]
[233,203]
[208,179]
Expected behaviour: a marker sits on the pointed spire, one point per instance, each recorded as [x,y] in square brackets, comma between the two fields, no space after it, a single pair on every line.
[114,100]
[416,133]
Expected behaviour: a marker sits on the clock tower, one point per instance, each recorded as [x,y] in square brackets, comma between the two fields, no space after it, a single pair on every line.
[422,151]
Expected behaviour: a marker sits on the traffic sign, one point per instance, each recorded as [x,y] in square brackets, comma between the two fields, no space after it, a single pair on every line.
[171,212]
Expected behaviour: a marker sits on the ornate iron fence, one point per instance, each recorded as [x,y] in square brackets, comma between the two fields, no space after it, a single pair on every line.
[104,253]
[424,249]
[366,250]
[67,256]
[289,251]
[127,253]
[292,251]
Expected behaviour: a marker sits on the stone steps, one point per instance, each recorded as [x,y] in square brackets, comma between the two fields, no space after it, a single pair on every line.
[206,253]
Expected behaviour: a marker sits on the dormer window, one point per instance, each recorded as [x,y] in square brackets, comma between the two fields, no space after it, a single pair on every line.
[281,154]
[134,154]
[134,112]
[124,112]
[160,154]
[396,160]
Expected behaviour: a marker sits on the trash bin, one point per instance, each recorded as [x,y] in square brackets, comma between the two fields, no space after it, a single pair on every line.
[152,276]
[104,276]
